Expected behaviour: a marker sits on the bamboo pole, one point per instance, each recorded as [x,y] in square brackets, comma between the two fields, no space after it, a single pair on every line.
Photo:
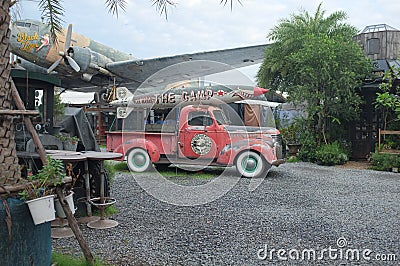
[75,228]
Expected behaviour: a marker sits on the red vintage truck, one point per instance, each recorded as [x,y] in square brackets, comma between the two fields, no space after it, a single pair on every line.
[201,135]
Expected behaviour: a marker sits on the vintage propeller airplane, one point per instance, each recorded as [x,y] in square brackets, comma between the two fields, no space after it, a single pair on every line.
[85,65]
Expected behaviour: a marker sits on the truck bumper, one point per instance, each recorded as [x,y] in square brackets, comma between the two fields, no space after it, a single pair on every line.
[278,162]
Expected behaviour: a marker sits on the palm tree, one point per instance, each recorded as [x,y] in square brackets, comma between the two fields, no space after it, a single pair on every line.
[290,35]
[9,169]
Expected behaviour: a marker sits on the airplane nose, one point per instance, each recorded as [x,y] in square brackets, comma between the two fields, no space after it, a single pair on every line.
[259,91]
[14,30]
[14,44]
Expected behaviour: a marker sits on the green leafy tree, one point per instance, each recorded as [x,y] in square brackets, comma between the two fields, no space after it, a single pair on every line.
[388,100]
[315,60]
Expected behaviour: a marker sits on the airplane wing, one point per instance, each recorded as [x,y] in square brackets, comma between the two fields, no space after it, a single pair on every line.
[139,71]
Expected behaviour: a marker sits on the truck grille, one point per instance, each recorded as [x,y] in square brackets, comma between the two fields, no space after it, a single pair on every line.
[278,145]
[277,138]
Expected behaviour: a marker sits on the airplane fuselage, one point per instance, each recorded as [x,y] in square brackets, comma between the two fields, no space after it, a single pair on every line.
[31,41]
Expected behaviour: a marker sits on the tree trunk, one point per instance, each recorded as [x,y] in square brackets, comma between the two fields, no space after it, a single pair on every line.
[9,168]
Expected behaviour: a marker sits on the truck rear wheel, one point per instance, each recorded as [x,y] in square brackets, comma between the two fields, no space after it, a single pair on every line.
[138,160]
[251,164]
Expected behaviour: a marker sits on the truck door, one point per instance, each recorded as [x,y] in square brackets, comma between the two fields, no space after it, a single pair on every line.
[200,139]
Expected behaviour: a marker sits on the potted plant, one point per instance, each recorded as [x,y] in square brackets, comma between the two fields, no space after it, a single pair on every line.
[67,191]
[70,143]
[39,195]
[68,195]
[291,136]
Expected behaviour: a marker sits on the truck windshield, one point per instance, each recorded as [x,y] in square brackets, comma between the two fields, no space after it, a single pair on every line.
[220,117]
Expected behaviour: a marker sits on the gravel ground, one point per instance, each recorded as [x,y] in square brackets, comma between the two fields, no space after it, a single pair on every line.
[298,206]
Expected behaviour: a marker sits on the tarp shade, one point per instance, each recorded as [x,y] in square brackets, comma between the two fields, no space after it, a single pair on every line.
[252,115]
[75,123]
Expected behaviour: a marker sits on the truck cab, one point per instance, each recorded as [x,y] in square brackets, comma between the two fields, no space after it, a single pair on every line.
[201,134]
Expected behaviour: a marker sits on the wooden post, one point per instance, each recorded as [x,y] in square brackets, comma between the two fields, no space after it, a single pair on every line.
[75,228]
[20,105]
[379,140]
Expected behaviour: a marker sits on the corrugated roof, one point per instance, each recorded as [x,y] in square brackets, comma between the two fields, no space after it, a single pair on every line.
[378,27]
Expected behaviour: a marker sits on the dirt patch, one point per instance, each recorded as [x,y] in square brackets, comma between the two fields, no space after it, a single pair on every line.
[356,165]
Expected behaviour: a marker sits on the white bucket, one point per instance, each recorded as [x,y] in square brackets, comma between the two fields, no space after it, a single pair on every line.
[70,200]
[42,209]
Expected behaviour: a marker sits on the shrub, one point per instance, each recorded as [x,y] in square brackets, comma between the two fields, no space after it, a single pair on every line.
[384,161]
[121,167]
[308,148]
[292,159]
[291,133]
[331,154]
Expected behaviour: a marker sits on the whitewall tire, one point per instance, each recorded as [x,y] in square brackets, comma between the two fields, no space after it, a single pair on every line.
[138,160]
[251,164]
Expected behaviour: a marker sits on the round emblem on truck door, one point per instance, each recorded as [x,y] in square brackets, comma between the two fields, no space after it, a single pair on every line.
[201,144]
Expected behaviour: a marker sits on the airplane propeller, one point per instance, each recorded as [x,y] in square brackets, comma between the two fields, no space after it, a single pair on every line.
[66,54]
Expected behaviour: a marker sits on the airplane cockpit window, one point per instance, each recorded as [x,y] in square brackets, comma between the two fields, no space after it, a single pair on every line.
[20,24]
[35,27]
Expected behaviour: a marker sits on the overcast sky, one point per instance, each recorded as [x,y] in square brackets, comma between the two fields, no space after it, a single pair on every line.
[203,25]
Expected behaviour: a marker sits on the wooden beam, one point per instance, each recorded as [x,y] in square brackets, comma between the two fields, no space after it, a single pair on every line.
[19,112]
[390,132]
[14,188]
[20,105]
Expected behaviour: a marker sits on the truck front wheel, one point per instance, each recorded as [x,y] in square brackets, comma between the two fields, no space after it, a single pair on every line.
[138,160]
[251,164]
